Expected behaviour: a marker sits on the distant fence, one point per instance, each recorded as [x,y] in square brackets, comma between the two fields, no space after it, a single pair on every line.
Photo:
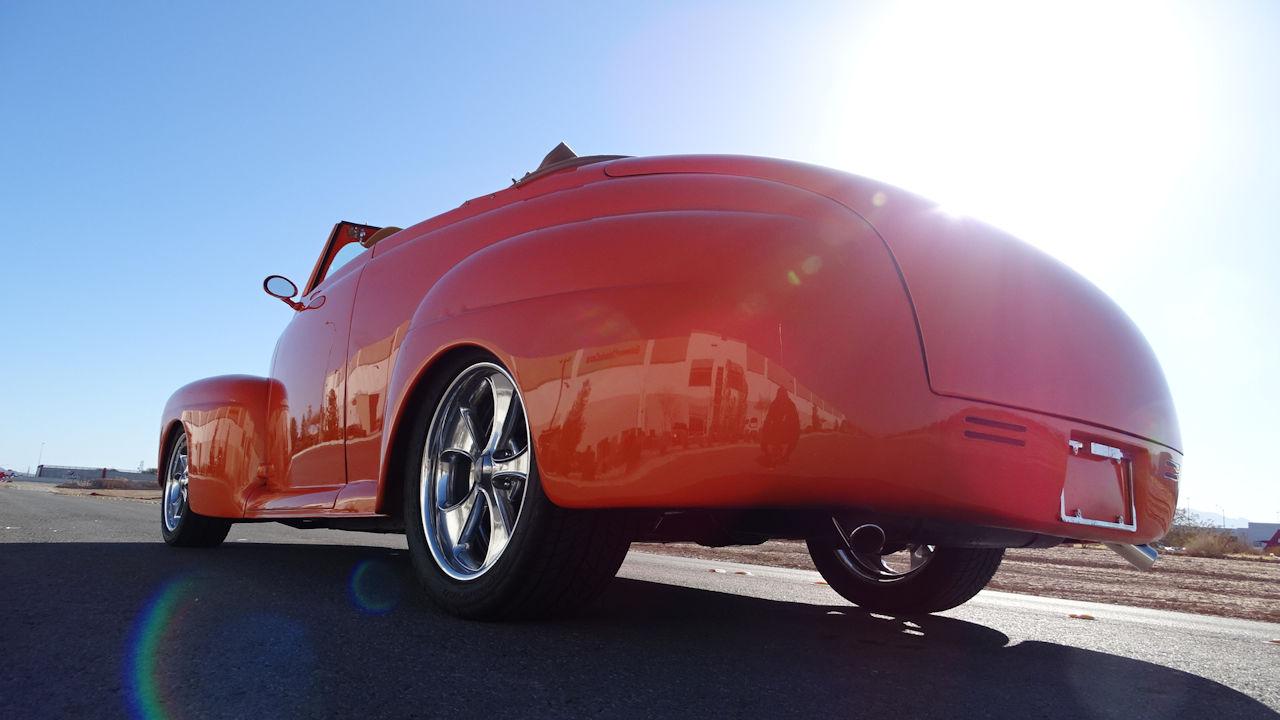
[73,472]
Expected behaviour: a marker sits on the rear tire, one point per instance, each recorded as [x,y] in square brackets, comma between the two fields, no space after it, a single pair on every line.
[531,558]
[949,577]
[179,524]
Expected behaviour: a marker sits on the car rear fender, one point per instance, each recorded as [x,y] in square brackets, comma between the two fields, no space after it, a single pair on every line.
[806,288]
[999,320]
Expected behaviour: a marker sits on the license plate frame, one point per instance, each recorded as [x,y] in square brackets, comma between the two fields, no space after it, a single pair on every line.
[1089,450]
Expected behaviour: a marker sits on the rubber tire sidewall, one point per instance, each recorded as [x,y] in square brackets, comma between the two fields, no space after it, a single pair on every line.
[951,578]
[498,593]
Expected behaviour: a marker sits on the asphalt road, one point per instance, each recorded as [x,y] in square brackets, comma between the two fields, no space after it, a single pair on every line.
[100,619]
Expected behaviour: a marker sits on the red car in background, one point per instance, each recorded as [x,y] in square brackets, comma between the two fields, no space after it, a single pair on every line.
[692,348]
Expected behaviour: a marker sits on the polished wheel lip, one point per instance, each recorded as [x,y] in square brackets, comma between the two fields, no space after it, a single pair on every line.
[471,489]
[874,568]
[177,477]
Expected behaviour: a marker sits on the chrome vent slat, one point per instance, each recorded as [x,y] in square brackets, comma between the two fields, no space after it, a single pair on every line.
[994,438]
[1012,427]
[994,425]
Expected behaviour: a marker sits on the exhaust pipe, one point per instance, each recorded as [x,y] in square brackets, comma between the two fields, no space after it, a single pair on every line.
[865,539]
[1139,556]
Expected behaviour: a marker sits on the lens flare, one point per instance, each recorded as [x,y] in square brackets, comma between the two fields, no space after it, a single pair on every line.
[150,629]
[375,586]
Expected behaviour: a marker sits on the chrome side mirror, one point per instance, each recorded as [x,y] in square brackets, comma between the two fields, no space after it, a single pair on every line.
[279,286]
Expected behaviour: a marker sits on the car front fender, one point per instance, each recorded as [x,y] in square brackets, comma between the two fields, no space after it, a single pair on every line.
[225,418]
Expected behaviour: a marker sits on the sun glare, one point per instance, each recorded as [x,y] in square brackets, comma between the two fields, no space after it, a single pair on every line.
[1015,112]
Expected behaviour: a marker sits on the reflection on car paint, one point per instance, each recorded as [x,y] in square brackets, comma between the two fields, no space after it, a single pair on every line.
[703,332]
[650,398]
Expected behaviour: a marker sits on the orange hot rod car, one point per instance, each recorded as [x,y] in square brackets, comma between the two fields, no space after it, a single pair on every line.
[691,348]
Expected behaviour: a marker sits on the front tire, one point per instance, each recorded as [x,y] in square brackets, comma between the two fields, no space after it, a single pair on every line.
[918,579]
[486,541]
[179,524]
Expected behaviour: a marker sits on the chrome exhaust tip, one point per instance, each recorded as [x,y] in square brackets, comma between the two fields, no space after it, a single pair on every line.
[868,539]
[864,539]
[1142,557]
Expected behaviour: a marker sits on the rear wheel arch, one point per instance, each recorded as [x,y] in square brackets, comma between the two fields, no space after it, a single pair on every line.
[556,560]
[391,497]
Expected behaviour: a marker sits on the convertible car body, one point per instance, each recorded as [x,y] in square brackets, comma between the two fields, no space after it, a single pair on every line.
[710,348]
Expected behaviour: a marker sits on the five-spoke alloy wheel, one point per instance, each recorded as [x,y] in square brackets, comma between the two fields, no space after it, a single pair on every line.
[475,471]
[486,541]
[893,566]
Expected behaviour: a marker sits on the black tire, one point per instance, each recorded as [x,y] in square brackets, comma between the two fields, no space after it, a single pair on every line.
[190,528]
[950,578]
[556,561]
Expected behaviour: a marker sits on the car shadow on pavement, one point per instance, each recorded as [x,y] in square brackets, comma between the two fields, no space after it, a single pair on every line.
[275,630]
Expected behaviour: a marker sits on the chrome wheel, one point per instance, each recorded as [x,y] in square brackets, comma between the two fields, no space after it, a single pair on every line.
[889,567]
[175,485]
[475,471]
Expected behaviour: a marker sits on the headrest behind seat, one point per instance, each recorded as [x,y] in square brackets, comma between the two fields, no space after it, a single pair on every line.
[376,237]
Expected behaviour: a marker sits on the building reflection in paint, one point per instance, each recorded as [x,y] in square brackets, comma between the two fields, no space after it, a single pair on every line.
[610,408]
[222,441]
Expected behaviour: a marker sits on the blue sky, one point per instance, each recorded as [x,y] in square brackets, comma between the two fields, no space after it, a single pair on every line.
[158,159]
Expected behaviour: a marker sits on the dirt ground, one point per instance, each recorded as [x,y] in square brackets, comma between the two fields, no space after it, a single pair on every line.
[1248,589]
[148,495]
[120,494]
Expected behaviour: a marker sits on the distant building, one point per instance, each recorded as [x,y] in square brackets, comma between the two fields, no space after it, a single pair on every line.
[73,472]
[70,472]
[1262,534]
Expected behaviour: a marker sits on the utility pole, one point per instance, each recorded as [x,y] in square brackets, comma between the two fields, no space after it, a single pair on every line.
[40,457]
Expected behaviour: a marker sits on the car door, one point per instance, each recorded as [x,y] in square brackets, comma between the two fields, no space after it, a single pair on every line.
[309,369]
